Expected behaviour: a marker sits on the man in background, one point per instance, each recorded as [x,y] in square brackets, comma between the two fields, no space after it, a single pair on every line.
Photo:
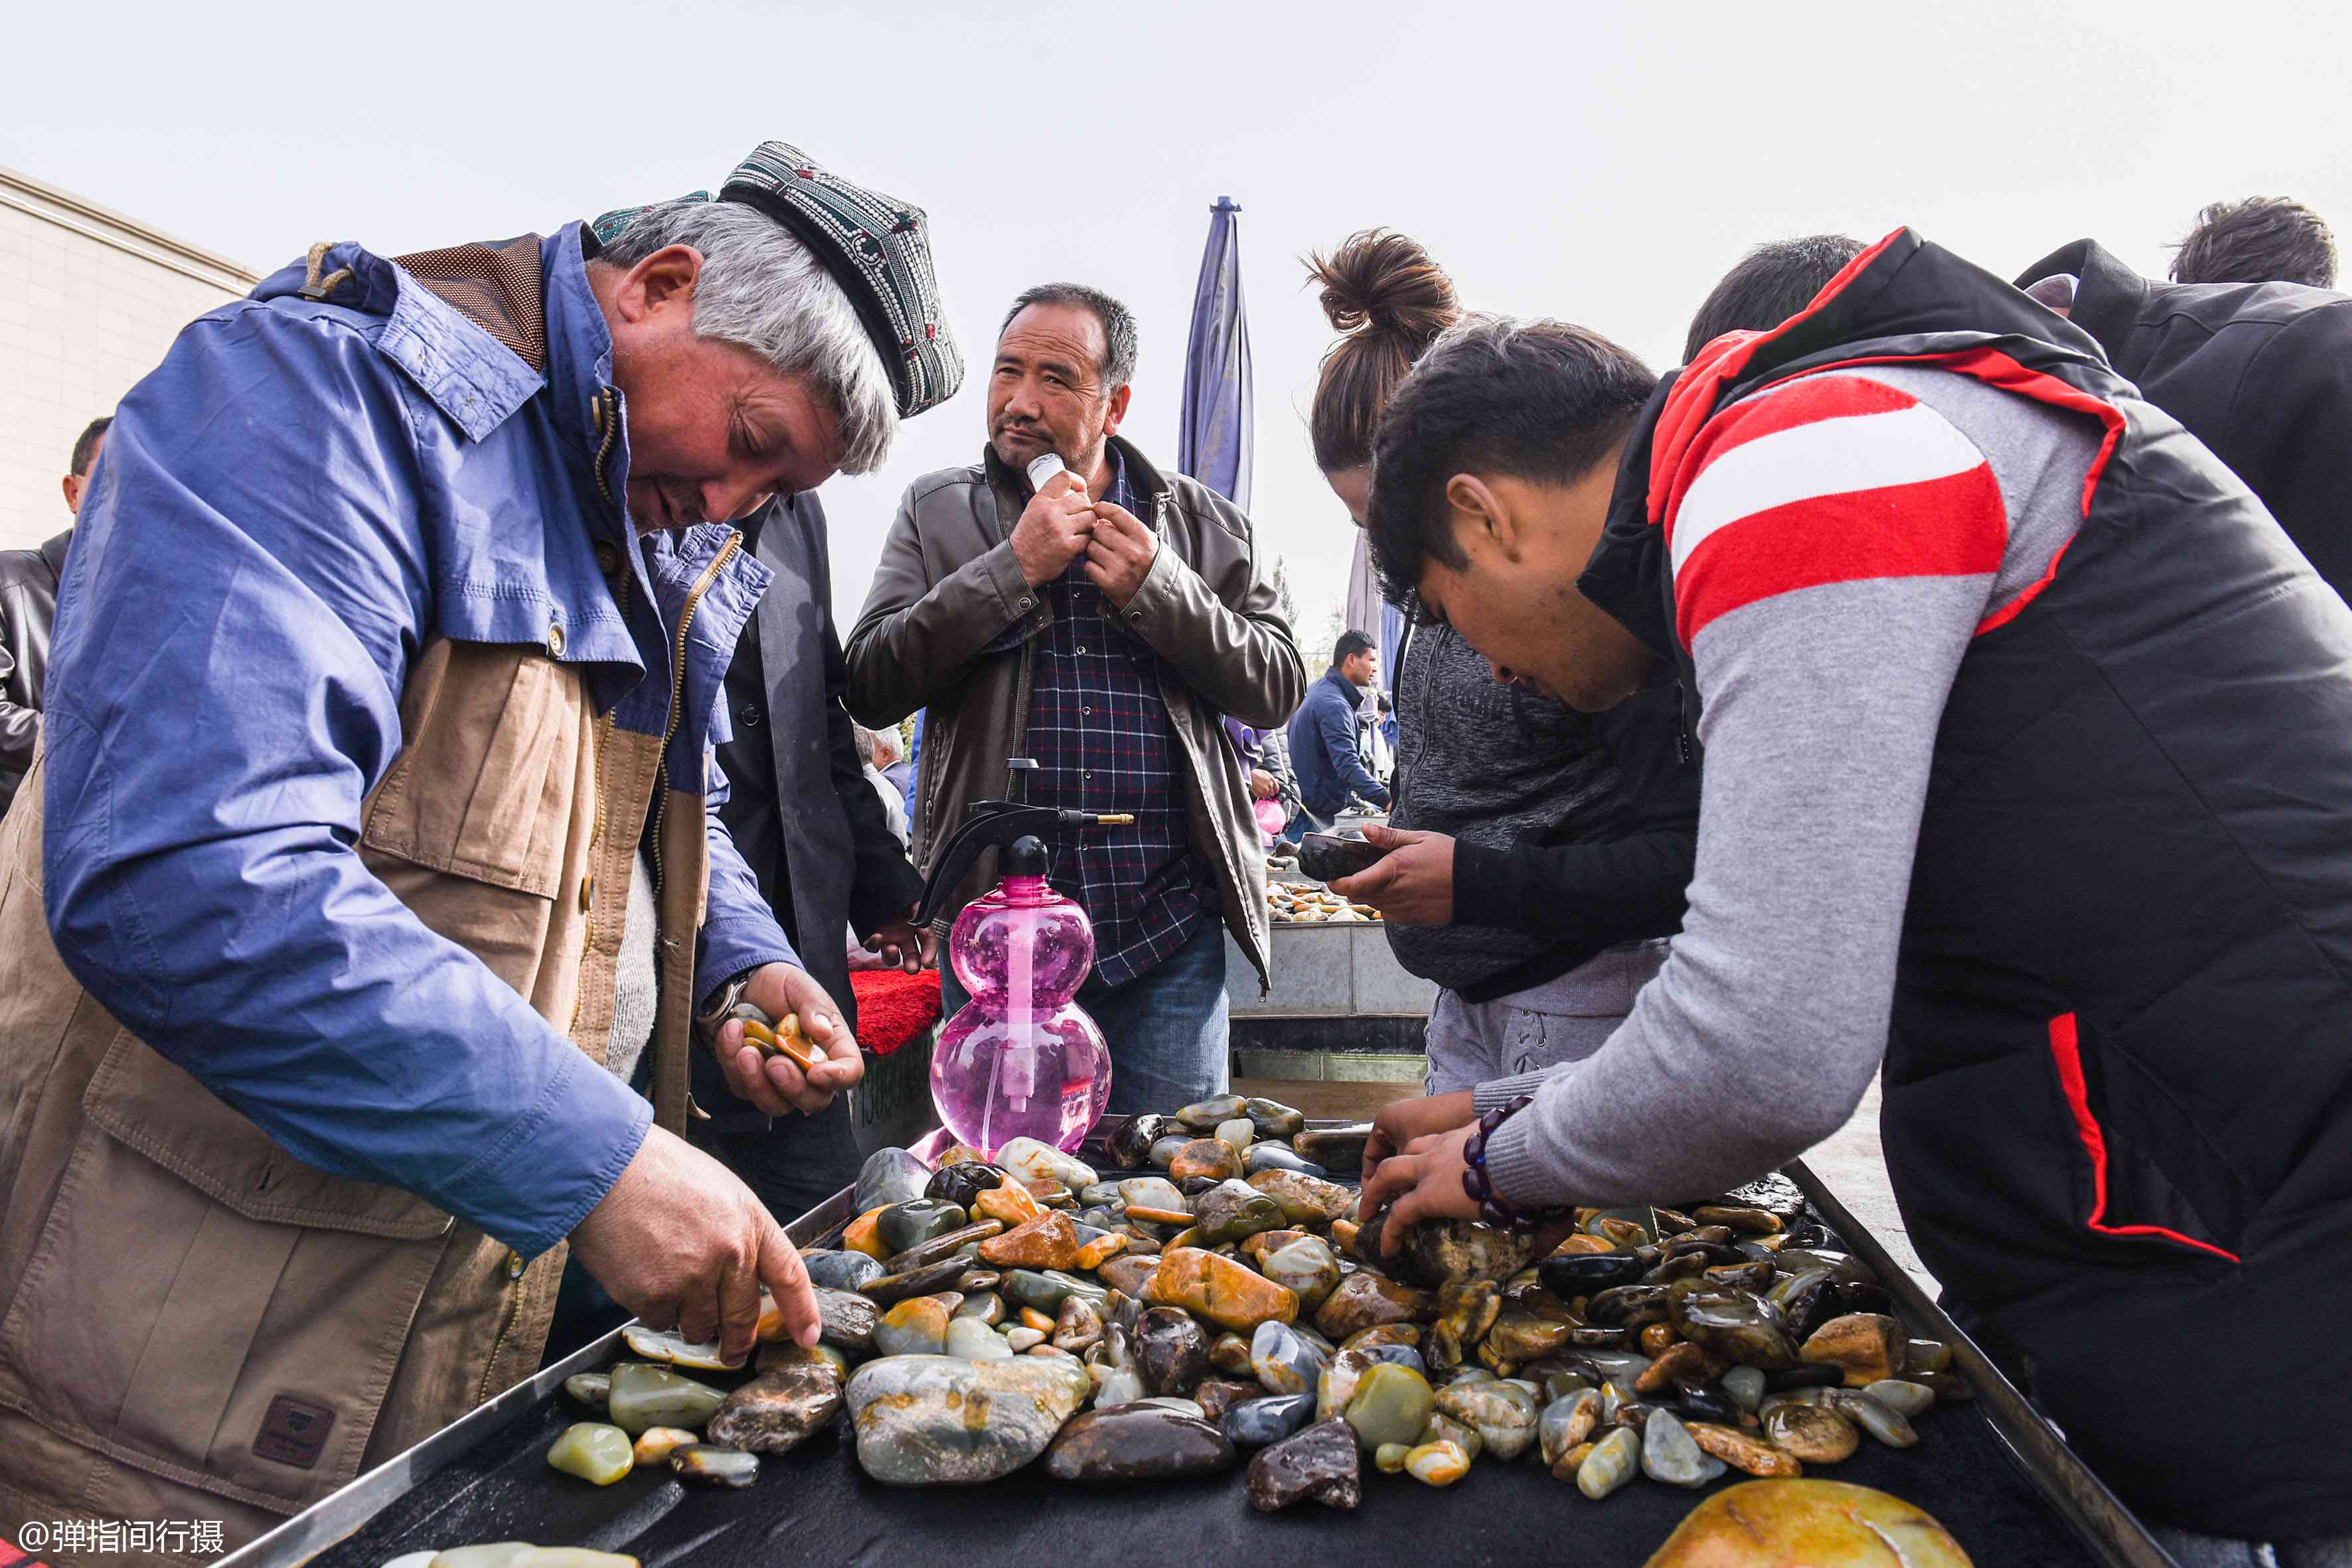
[1103,624]
[2261,372]
[1765,287]
[2263,240]
[28,607]
[1325,750]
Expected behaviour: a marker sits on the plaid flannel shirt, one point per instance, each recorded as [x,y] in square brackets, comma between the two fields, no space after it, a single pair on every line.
[1099,731]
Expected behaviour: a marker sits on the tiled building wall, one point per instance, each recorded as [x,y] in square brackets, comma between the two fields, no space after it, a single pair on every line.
[82,318]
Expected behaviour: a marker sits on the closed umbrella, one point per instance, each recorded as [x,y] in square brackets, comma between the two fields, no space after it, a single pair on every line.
[1212,442]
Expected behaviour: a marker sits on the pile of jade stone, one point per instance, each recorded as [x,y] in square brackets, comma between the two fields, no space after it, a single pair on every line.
[1212,1294]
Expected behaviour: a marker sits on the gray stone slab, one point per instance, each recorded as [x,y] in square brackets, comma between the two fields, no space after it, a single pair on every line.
[1382,985]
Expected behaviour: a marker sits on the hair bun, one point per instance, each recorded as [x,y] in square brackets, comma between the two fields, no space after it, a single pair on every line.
[1382,283]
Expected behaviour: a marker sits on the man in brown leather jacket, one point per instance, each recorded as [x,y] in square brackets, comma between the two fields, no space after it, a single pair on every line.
[28,607]
[1105,624]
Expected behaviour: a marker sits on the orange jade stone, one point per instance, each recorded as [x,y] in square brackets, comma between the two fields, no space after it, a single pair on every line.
[1229,1294]
[1101,1250]
[862,1237]
[1010,1203]
[1265,1243]
[1580,1243]
[1031,1317]
[1049,1241]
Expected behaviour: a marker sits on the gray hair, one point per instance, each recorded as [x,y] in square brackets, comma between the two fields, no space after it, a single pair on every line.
[760,289]
[1117,367]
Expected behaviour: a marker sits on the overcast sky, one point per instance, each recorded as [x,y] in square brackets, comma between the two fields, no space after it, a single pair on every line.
[1602,165]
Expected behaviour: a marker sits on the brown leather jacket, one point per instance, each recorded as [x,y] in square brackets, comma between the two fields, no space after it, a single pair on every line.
[28,606]
[948,586]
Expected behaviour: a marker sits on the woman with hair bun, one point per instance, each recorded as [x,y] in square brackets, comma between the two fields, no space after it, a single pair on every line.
[1538,855]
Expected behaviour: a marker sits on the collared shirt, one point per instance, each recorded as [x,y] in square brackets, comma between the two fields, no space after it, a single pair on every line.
[1098,728]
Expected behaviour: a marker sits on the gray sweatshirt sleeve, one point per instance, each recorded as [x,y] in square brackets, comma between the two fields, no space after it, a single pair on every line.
[1823,689]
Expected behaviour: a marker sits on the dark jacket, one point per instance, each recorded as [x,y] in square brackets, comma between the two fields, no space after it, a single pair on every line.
[2261,372]
[947,595]
[28,607]
[1577,830]
[802,812]
[2116,1086]
[1323,748]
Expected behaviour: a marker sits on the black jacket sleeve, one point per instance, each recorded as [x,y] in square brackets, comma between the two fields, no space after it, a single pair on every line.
[884,886]
[1626,890]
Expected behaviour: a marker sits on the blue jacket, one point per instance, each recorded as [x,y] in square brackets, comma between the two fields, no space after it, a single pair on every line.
[291,505]
[1323,748]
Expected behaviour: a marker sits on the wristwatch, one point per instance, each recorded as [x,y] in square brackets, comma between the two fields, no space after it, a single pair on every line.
[723,1002]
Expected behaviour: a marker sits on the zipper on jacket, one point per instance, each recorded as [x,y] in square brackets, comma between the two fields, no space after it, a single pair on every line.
[677,689]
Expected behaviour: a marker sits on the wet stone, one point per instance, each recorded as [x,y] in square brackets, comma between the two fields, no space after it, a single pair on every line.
[644,1395]
[1304,1199]
[594,1451]
[890,1176]
[1137,1443]
[1927,1355]
[1153,1193]
[1339,1150]
[1565,1423]
[655,1445]
[589,1388]
[1812,1433]
[1028,1159]
[1229,1294]
[1671,1455]
[1744,1385]
[1319,1463]
[1218,1394]
[1865,1346]
[1045,1291]
[1130,1143]
[1907,1400]
[976,1340]
[1262,1157]
[958,1185]
[1437,1464]
[986,1306]
[1254,1423]
[1406,1334]
[1389,1457]
[1021,1337]
[1282,1361]
[911,1224]
[1504,1414]
[708,1464]
[946,1245]
[1745,1451]
[938,1420]
[1165,1149]
[1230,1355]
[775,1357]
[1390,1404]
[1127,1274]
[1205,1157]
[774,1412]
[1272,1118]
[1049,1241]
[841,1270]
[1204,1115]
[1364,1298]
[1238,1134]
[1737,1325]
[1881,1421]
[917,1327]
[927,1280]
[1610,1465]
[1170,1351]
[1232,1211]
[1077,1325]
[1008,1204]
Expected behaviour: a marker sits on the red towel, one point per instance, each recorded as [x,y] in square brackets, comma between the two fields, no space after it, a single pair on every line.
[894,1006]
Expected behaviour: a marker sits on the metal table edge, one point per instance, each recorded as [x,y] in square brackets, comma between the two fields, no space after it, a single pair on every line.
[2110,1531]
[342,1512]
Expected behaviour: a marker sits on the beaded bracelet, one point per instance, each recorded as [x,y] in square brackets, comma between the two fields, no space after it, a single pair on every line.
[1480,1187]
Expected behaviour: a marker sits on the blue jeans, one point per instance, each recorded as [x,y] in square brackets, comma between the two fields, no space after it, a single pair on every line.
[1169,1037]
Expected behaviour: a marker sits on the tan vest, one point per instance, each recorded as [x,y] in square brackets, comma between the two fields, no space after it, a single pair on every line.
[200,1326]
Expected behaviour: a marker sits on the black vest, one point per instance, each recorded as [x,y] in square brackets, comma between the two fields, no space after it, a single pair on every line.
[2119,1079]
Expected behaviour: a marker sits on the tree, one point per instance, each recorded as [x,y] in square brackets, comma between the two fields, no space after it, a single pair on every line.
[1282,599]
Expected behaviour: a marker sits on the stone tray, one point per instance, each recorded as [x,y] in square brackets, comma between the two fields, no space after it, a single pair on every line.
[486,1479]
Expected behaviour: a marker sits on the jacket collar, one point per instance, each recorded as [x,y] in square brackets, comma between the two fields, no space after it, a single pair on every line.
[2109,297]
[53,555]
[1011,487]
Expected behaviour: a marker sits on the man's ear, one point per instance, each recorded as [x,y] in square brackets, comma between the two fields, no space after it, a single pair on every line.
[1480,514]
[1116,411]
[662,281]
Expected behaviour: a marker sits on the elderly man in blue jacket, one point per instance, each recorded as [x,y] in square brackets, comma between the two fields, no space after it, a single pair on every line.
[1324,750]
[358,922]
